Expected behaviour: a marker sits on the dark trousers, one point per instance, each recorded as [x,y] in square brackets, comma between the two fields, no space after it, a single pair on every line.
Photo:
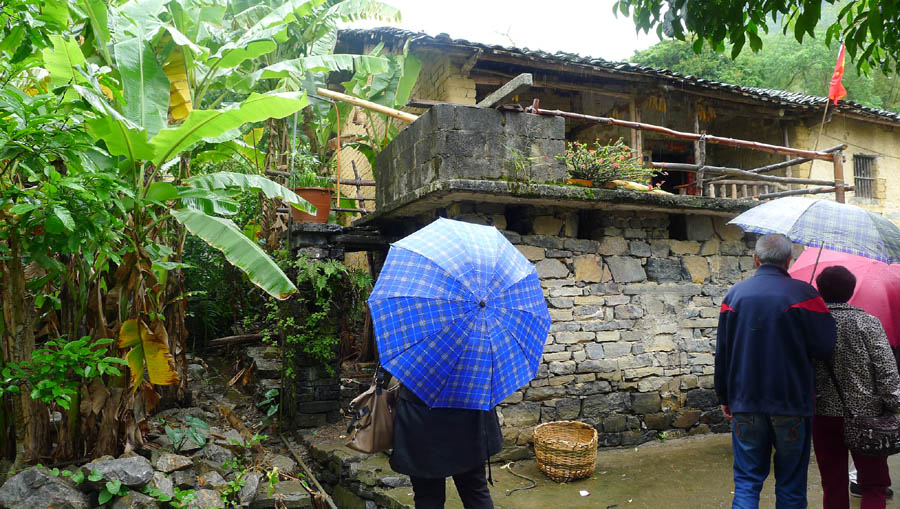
[753,437]
[873,477]
[472,488]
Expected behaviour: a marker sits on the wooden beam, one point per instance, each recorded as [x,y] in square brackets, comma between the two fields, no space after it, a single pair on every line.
[741,173]
[514,87]
[369,105]
[810,190]
[731,142]
[785,164]
[240,339]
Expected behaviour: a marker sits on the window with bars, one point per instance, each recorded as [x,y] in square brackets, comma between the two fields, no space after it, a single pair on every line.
[864,175]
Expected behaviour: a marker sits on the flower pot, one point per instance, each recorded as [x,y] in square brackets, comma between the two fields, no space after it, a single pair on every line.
[320,198]
[581,182]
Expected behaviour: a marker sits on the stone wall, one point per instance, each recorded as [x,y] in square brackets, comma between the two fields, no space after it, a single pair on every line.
[634,298]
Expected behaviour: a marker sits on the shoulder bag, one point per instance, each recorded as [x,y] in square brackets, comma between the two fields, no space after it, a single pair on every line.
[372,428]
[870,436]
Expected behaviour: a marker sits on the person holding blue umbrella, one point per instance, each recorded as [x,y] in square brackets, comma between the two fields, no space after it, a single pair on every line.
[460,320]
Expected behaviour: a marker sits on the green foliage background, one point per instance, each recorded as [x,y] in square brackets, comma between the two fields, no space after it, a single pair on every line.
[783,63]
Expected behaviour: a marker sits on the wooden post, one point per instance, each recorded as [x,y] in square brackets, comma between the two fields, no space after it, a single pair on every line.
[697,150]
[839,176]
[789,171]
[637,137]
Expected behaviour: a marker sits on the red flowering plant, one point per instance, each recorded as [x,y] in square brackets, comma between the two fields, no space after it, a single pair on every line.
[604,163]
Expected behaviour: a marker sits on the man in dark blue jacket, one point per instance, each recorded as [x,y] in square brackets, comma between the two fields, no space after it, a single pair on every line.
[770,328]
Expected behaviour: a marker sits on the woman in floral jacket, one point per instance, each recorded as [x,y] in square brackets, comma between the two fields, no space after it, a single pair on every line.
[866,371]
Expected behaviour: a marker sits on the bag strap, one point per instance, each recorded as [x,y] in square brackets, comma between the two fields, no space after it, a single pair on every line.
[830,367]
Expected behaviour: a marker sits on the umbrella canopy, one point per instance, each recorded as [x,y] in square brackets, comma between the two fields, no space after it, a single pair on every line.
[877,284]
[459,315]
[835,226]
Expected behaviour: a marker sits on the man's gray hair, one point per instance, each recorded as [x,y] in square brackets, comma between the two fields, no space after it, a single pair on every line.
[773,248]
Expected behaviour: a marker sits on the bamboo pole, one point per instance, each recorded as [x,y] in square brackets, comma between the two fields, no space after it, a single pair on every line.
[731,142]
[337,172]
[785,164]
[742,173]
[809,190]
[369,105]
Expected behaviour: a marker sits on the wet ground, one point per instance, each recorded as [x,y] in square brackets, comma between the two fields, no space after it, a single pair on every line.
[684,473]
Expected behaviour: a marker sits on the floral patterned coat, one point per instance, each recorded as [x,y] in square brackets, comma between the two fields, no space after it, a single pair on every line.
[864,366]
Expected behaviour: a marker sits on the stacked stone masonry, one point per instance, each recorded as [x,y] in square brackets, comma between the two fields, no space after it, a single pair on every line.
[632,343]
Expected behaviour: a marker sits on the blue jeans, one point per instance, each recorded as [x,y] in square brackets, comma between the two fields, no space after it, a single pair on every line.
[752,437]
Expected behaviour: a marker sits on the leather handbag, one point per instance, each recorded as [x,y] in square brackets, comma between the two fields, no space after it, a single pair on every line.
[870,436]
[372,428]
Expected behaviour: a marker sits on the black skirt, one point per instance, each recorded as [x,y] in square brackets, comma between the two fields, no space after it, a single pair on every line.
[441,442]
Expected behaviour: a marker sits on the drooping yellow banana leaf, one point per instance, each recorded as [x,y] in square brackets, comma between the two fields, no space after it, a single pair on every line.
[150,349]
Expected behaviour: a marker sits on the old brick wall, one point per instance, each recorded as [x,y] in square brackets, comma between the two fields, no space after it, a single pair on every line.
[634,298]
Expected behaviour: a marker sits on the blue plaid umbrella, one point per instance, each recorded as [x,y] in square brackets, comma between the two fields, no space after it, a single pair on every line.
[825,223]
[459,315]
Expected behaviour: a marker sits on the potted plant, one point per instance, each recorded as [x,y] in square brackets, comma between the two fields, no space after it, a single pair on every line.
[597,165]
[315,189]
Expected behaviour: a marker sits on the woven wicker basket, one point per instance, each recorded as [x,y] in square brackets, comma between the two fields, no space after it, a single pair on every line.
[565,450]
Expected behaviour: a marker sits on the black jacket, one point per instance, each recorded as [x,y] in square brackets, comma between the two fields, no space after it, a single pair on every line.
[441,442]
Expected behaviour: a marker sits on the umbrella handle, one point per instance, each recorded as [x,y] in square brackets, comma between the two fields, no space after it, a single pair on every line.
[816,265]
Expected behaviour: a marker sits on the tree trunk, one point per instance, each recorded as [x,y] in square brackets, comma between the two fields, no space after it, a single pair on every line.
[32,424]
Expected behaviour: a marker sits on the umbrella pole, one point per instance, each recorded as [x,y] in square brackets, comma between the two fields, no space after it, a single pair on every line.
[816,265]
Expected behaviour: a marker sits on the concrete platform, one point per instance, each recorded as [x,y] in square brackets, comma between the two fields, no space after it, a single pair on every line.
[686,473]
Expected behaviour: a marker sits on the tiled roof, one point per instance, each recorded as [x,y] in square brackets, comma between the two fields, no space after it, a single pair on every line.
[778,98]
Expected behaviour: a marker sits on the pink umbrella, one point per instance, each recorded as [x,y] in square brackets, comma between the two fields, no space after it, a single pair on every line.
[877,284]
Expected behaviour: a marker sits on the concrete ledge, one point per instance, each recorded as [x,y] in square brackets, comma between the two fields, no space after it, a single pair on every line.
[444,192]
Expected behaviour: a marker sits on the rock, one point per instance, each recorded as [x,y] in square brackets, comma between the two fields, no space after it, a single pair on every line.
[639,248]
[37,487]
[663,269]
[133,471]
[547,225]
[396,481]
[550,268]
[203,465]
[594,351]
[284,464]
[588,268]
[196,372]
[658,422]
[727,231]
[615,423]
[699,430]
[625,269]
[168,462]
[215,453]
[162,483]
[568,409]
[251,486]
[646,403]
[290,495]
[533,253]
[702,398]
[613,246]
[699,227]
[135,500]
[697,267]
[523,414]
[184,479]
[686,418]
[231,442]
[206,499]
[211,480]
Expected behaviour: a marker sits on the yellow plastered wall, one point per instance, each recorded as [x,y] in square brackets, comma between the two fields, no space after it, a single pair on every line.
[861,137]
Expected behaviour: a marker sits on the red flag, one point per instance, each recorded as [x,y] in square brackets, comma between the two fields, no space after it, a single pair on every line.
[836,90]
